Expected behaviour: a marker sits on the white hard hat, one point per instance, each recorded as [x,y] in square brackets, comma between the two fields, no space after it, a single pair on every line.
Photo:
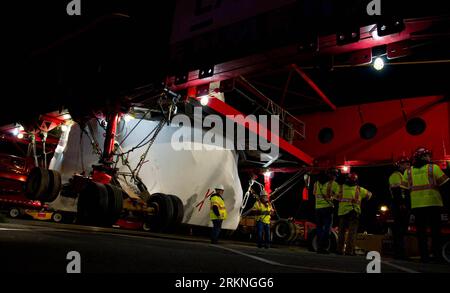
[219,187]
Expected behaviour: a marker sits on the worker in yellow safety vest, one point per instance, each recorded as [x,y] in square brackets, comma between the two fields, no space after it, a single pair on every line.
[399,206]
[263,209]
[349,197]
[217,213]
[325,190]
[423,180]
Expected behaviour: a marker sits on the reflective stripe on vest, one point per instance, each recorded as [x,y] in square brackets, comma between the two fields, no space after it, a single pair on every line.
[431,180]
[220,204]
[355,198]
[328,192]
[263,208]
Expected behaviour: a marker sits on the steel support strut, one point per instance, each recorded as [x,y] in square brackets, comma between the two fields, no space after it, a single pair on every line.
[314,86]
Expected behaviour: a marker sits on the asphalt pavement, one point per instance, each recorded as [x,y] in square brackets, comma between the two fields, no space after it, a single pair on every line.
[31,246]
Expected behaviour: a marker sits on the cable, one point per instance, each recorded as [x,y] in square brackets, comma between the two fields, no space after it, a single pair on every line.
[141,143]
[134,127]
[152,140]
[286,183]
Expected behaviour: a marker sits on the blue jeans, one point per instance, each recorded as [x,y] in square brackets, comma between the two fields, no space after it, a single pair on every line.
[324,222]
[217,226]
[263,228]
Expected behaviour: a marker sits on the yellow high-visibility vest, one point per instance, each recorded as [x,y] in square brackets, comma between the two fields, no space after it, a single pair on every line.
[423,184]
[324,194]
[263,212]
[217,200]
[395,181]
[350,198]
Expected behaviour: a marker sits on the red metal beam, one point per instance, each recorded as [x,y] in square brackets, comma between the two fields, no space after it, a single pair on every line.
[314,86]
[282,56]
[257,128]
[256,170]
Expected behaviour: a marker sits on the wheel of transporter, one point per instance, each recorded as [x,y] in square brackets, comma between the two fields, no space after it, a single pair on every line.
[446,251]
[115,203]
[14,213]
[313,243]
[178,211]
[93,208]
[164,212]
[282,231]
[57,217]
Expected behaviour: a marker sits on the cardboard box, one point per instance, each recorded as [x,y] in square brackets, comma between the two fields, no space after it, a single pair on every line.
[369,242]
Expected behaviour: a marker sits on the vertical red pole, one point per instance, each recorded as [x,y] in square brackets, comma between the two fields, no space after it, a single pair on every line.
[267,183]
[112,120]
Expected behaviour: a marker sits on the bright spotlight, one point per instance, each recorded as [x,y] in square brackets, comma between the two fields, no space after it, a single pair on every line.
[67,117]
[267,174]
[374,34]
[15,131]
[128,117]
[204,100]
[20,135]
[64,128]
[384,208]
[378,64]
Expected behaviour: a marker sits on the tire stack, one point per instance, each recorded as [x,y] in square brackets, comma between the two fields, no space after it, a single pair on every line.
[43,185]
[285,231]
[313,241]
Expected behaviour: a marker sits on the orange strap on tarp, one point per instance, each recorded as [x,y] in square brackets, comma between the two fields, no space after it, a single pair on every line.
[207,195]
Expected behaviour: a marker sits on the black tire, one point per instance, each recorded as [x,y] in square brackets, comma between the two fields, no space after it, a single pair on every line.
[334,241]
[313,241]
[37,183]
[58,217]
[160,222]
[54,187]
[178,211]
[446,251]
[283,231]
[93,206]
[115,203]
[294,234]
[146,227]
[14,213]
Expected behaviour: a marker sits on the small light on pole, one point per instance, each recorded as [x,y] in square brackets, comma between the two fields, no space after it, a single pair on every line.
[378,63]
[204,100]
